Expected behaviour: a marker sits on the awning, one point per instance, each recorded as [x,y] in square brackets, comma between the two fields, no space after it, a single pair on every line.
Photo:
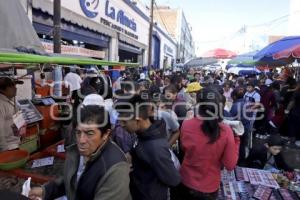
[68,15]
[133,42]
[129,48]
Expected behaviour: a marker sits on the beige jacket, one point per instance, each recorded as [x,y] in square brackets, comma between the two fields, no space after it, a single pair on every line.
[7,139]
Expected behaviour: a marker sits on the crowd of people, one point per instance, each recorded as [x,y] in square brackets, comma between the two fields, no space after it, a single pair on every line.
[170,135]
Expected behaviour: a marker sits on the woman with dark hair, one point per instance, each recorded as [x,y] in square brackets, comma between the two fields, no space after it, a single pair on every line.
[208,144]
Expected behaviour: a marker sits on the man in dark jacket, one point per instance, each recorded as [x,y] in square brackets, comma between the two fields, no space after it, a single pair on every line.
[95,167]
[268,156]
[153,170]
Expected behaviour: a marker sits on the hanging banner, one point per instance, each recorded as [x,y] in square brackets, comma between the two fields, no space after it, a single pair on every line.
[72,50]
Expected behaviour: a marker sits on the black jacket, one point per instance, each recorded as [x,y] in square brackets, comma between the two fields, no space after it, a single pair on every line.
[258,158]
[153,170]
[105,176]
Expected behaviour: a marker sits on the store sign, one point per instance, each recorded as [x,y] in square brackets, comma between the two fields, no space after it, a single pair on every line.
[119,16]
[118,28]
[71,50]
[89,7]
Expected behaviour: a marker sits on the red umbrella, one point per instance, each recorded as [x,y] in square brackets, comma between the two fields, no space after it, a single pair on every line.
[219,54]
[289,53]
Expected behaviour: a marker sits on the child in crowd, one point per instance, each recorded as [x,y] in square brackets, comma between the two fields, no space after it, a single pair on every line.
[268,156]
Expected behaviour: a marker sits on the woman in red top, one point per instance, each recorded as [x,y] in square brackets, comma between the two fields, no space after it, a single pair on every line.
[208,145]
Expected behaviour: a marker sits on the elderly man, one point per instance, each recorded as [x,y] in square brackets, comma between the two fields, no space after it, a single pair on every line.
[95,168]
[8,108]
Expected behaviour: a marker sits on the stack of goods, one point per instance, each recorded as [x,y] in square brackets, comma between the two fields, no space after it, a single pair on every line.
[246,183]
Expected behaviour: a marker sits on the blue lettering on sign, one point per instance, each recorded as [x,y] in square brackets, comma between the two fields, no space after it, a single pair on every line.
[89,7]
[110,11]
[120,17]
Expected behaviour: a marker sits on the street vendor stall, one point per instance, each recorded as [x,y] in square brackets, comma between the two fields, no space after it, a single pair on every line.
[40,115]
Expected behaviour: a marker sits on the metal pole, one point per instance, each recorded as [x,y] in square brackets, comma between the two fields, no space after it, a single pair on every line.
[150,37]
[56,26]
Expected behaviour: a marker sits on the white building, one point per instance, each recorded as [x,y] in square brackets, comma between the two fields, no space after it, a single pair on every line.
[115,30]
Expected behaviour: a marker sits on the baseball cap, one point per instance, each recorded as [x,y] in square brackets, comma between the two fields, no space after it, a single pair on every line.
[193,87]
[6,82]
[93,99]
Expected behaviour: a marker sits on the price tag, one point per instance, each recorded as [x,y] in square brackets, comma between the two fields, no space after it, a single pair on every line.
[43,162]
[60,148]
[19,120]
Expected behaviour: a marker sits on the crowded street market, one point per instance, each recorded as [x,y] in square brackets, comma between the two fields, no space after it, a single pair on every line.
[118,100]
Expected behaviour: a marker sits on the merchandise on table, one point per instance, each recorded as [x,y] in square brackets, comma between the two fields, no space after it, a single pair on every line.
[262,177]
[246,183]
[262,193]
[227,176]
[287,195]
[241,174]
[55,170]
[30,113]
[275,195]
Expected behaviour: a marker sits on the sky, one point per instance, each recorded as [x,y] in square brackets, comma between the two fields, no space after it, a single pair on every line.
[219,23]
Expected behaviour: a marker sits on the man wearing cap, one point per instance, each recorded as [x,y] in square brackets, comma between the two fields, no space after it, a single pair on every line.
[8,107]
[192,90]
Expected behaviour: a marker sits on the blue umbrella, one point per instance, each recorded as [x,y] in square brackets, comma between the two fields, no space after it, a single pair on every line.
[244,71]
[241,65]
[265,56]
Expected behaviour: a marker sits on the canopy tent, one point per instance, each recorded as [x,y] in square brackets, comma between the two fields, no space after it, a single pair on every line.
[266,55]
[16,30]
[23,58]
[219,54]
[246,58]
[198,62]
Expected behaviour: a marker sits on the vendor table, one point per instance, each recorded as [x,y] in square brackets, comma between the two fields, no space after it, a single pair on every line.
[36,177]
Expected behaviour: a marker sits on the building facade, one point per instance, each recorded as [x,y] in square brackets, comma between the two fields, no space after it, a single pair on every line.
[115,30]
[176,24]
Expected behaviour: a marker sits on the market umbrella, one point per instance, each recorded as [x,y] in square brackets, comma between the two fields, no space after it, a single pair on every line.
[243,71]
[219,54]
[246,58]
[291,53]
[265,56]
[198,62]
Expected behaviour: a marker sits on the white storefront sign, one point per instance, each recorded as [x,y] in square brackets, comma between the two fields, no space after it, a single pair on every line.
[72,50]
[114,14]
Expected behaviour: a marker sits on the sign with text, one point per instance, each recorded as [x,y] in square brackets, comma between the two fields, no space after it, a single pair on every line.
[117,15]
[72,50]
